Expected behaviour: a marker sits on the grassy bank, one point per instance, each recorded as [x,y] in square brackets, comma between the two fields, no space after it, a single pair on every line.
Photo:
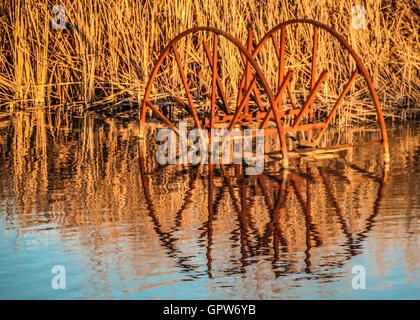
[108,48]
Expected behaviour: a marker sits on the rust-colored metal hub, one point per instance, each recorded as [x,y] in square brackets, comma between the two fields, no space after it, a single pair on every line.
[256,104]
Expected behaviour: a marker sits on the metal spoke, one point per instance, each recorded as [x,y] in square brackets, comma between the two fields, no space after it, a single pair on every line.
[186,86]
[219,82]
[280,53]
[242,105]
[337,104]
[162,116]
[310,99]
[213,83]
[313,69]
[255,91]
[248,74]
[278,98]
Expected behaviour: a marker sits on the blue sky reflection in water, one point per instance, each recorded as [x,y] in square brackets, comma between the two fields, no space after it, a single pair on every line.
[77,199]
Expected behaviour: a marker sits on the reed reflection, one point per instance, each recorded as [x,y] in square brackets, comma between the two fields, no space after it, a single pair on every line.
[81,182]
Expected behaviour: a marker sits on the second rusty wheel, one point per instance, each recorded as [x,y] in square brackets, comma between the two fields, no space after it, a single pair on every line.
[291,55]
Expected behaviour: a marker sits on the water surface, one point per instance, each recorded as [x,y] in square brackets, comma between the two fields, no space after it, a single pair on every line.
[76,194]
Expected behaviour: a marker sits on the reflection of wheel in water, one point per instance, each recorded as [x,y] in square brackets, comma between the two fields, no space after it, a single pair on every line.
[295,46]
[270,216]
[202,65]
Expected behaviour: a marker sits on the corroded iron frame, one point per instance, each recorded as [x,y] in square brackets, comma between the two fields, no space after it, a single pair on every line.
[248,86]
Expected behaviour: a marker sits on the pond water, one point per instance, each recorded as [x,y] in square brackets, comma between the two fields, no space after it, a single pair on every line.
[75,194]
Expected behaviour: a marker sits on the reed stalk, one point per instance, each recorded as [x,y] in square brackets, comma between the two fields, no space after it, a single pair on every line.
[108,48]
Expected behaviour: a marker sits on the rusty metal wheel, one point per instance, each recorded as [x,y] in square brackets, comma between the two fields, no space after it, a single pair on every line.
[195,79]
[294,47]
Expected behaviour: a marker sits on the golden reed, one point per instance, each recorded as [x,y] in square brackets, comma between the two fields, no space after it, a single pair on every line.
[108,48]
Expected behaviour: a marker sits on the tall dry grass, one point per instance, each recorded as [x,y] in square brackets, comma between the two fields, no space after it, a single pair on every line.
[107,51]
